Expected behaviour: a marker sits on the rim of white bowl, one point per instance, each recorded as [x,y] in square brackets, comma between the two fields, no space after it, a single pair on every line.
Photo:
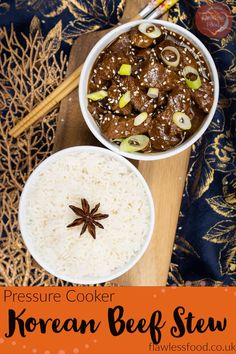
[27,236]
[84,77]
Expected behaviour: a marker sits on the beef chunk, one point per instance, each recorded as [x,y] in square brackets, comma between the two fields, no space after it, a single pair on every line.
[204,96]
[114,94]
[110,64]
[187,59]
[127,83]
[122,44]
[164,133]
[180,100]
[139,39]
[139,99]
[95,109]
[141,56]
[161,139]
[156,75]
[142,102]
[144,54]
[118,127]
[198,118]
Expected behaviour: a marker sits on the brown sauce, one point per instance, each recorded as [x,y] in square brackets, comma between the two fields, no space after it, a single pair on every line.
[149,70]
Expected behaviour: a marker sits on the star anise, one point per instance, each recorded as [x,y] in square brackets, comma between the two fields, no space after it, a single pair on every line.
[87,218]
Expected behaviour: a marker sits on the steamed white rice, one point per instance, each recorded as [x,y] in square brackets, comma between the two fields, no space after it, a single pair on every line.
[100,179]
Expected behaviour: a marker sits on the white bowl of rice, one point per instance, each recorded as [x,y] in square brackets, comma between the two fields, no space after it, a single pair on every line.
[99,176]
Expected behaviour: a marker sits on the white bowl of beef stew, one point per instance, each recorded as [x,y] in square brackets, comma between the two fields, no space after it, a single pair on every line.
[148,89]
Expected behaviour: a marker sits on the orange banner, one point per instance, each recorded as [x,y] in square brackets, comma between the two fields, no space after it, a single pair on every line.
[55,320]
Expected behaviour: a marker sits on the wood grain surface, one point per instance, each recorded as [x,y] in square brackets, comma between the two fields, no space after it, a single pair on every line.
[165,178]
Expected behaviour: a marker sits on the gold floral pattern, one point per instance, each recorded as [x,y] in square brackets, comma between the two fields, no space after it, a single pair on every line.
[25,80]
[208,213]
[32,65]
[82,16]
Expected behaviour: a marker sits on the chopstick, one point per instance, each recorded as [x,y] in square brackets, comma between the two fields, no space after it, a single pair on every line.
[162,9]
[148,9]
[72,81]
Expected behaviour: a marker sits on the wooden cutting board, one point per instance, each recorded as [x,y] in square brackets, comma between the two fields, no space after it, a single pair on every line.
[165,178]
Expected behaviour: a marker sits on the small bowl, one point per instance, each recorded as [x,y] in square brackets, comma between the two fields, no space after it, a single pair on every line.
[84,79]
[28,235]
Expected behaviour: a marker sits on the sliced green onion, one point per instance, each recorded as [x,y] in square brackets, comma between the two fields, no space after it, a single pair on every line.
[125,99]
[140,119]
[150,30]
[193,84]
[125,69]
[153,92]
[134,143]
[182,120]
[169,62]
[98,95]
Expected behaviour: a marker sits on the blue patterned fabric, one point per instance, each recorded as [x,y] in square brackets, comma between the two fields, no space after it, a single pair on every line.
[205,247]
[73,17]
